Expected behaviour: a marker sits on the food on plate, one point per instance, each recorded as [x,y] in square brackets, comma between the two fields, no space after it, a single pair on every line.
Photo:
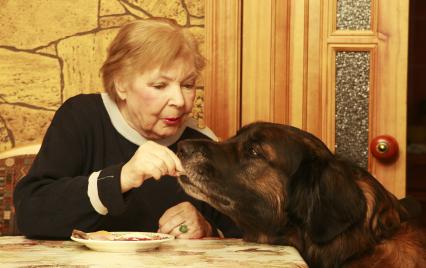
[118,236]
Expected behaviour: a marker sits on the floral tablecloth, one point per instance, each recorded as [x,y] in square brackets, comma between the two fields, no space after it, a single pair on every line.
[17,251]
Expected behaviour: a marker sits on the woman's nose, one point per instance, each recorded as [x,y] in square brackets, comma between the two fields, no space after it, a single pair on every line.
[176,96]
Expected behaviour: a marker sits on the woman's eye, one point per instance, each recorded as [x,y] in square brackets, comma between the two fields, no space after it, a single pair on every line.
[159,86]
[188,86]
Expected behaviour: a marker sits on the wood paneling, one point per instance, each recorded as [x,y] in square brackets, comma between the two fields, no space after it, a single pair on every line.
[281,62]
[257,85]
[315,102]
[265,61]
[222,76]
[297,53]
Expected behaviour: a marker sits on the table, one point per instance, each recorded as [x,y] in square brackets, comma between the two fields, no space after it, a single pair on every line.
[18,251]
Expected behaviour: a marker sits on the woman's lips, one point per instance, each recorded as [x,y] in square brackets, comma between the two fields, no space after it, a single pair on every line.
[172,120]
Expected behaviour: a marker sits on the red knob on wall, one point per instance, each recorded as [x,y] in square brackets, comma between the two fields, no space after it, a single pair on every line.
[384,148]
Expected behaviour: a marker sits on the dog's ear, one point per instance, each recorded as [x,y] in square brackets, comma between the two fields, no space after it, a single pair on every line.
[326,200]
[339,203]
[386,222]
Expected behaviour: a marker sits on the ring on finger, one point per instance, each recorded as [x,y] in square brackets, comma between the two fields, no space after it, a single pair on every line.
[183,228]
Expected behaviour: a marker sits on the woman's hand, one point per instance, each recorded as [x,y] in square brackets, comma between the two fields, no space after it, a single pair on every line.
[150,160]
[184,214]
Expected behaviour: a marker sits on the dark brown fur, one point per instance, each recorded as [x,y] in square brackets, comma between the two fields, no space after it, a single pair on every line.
[282,185]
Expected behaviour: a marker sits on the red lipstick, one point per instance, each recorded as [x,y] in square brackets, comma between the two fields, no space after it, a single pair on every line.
[172,121]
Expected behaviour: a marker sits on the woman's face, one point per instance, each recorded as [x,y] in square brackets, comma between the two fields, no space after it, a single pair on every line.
[157,102]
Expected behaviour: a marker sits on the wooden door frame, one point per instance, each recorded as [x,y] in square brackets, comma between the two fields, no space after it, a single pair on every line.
[391,75]
[296,87]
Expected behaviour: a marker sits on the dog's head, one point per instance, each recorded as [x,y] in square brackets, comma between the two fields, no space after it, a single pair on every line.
[269,176]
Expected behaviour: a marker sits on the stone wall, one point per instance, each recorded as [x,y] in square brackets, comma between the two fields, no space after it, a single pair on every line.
[51,50]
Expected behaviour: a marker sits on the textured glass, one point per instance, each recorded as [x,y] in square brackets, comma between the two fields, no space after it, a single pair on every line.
[353,15]
[352,98]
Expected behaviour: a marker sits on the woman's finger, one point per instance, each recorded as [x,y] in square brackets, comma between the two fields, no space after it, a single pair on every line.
[167,160]
[169,226]
[178,163]
[159,164]
[174,216]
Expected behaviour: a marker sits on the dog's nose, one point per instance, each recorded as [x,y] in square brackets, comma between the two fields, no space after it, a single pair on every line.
[185,148]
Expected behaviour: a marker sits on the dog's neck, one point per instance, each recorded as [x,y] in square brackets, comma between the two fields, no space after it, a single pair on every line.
[290,235]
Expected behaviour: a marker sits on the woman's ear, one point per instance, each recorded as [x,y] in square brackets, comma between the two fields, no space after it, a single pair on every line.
[121,88]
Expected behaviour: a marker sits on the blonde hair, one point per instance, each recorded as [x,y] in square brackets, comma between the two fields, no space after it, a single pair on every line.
[145,44]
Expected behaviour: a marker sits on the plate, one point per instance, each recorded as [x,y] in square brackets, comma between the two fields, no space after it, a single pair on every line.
[137,241]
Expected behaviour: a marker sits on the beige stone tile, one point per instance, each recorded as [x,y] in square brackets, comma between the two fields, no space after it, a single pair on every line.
[196,21]
[82,57]
[135,10]
[198,110]
[111,7]
[51,50]
[160,8]
[195,7]
[30,78]
[35,23]
[198,33]
[115,21]
[27,125]
[5,142]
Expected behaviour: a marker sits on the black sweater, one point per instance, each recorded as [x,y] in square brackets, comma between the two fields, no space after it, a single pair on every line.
[52,200]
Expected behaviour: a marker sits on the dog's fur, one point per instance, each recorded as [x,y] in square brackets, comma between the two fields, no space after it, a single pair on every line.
[282,185]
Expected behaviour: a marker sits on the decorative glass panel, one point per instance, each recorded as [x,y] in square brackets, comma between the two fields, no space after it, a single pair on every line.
[352,98]
[353,15]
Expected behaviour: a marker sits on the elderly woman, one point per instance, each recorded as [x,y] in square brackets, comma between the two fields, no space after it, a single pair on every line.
[107,160]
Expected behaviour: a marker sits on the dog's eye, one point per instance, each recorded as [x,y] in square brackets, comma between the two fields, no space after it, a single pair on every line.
[254,150]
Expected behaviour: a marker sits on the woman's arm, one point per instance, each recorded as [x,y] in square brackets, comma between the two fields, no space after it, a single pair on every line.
[52,199]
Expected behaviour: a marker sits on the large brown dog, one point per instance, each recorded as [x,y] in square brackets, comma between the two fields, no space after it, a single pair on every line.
[282,185]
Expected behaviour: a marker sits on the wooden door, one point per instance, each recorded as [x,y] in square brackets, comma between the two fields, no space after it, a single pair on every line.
[336,68]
